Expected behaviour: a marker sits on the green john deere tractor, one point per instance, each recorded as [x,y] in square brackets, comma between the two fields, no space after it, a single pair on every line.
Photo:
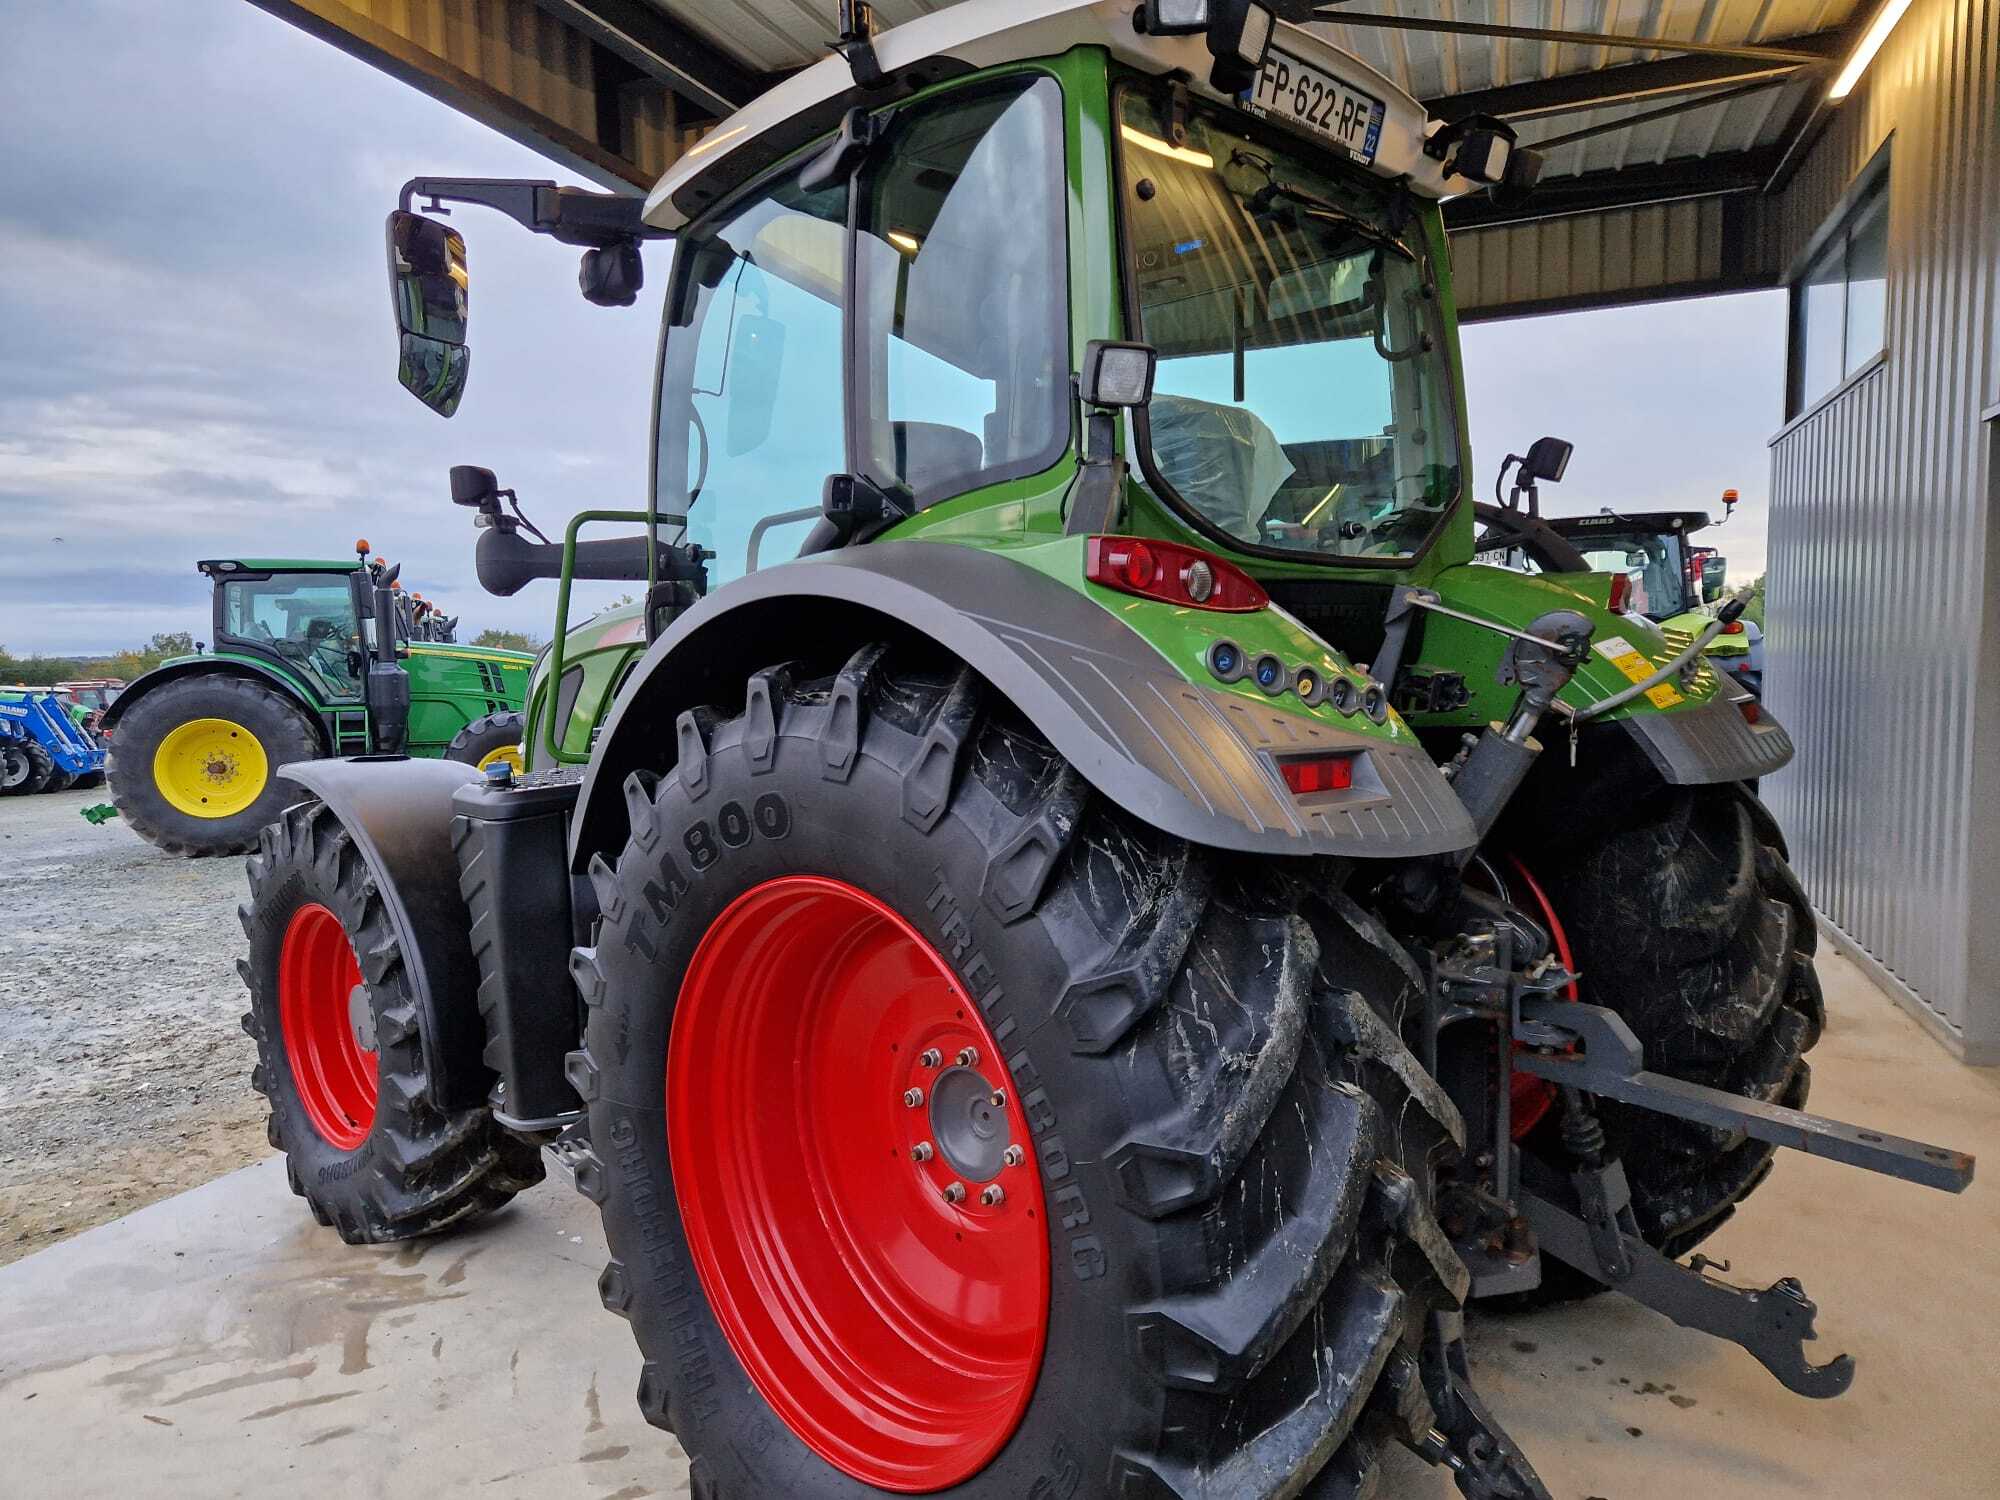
[310,659]
[1050,934]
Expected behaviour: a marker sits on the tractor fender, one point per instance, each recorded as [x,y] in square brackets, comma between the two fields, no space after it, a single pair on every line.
[1185,758]
[398,812]
[197,666]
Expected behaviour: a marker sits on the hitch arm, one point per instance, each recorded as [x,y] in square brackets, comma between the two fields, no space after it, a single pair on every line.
[1772,1325]
[1612,1066]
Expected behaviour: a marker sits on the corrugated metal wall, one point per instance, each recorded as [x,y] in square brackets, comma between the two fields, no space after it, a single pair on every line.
[1684,249]
[1883,549]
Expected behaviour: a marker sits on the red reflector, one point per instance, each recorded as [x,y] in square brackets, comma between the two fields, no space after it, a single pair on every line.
[1621,592]
[1734,627]
[1752,710]
[1318,773]
[1171,573]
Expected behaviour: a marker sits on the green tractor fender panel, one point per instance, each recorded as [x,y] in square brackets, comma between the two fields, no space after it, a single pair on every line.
[398,811]
[1191,760]
[196,666]
[1701,737]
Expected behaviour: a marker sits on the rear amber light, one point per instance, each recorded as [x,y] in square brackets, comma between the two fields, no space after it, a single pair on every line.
[1171,573]
[1734,627]
[1621,592]
[1308,774]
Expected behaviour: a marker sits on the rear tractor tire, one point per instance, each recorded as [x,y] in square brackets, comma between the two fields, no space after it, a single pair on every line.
[194,767]
[492,739]
[953,1130]
[1686,919]
[340,1052]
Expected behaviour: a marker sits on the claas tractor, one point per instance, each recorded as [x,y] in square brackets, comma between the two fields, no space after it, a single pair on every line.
[1050,932]
[310,658]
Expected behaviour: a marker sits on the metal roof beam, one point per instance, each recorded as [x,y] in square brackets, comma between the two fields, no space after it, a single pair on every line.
[1632,83]
[663,49]
[1630,187]
[1744,51]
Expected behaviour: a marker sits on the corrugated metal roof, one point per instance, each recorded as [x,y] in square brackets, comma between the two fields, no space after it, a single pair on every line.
[1431,65]
[778,35]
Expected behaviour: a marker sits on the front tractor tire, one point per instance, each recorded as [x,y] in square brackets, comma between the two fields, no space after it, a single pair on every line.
[27,769]
[1684,917]
[340,1053]
[953,1130]
[194,766]
[491,739]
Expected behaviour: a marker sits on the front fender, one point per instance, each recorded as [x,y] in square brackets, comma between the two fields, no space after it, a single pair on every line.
[398,812]
[1185,758]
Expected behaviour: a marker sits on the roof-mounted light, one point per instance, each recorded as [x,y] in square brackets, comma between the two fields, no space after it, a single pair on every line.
[1878,33]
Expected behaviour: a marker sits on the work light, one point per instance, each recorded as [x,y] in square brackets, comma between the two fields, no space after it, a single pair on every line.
[1117,374]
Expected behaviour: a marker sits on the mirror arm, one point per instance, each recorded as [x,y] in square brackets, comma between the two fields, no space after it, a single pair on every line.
[571,215]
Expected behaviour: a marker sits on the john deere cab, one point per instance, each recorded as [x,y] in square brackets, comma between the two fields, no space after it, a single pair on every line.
[1050,933]
[310,658]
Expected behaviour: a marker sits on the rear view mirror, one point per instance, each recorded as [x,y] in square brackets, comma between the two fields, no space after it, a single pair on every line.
[428,289]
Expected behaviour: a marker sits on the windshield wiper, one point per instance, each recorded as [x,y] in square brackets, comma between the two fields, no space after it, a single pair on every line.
[1316,207]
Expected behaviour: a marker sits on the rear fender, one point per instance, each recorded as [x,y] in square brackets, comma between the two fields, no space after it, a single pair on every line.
[200,666]
[1178,755]
[398,812]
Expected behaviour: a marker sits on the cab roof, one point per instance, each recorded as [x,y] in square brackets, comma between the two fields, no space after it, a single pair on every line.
[215,565]
[987,33]
[1683,521]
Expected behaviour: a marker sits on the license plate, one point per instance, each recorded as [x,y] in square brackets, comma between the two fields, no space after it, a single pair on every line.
[1293,90]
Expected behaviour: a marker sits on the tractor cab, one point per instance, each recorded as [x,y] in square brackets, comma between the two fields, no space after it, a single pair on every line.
[311,617]
[1653,551]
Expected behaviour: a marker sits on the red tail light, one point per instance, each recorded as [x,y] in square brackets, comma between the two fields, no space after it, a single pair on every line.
[1171,573]
[1621,592]
[1308,774]
[1751,709]
[1734,627]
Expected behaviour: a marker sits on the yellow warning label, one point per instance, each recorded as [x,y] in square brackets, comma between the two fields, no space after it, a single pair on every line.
[1633,663]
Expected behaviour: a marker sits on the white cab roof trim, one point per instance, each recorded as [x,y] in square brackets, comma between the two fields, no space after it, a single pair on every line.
[987,33]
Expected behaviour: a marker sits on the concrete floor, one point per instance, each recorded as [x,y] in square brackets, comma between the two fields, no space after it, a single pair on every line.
[220,1344]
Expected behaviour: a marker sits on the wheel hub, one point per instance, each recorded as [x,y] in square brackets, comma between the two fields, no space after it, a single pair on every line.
[210,768]
[968,1122]
[870,1231]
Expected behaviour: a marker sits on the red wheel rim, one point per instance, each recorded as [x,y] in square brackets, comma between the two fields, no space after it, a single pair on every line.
[819,1050]
[1530,1098]
[335,1076]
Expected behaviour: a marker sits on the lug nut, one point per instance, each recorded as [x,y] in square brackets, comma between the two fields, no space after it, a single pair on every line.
[968,1057]
[994,1196]
[921,1151]
[1014,1156]
[931,1058]
[955,1193]
[913,1097]
[999,1098]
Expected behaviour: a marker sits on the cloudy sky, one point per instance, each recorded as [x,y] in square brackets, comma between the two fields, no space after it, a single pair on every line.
[197,358]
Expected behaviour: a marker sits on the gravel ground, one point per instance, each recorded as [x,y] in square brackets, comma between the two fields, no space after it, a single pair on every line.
[124,1072]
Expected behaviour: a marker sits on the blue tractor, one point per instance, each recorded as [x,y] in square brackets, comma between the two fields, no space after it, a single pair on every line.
[41,749]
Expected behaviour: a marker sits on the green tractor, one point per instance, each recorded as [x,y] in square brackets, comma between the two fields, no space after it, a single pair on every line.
[1050,934]
[310,659]
[1682,588]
